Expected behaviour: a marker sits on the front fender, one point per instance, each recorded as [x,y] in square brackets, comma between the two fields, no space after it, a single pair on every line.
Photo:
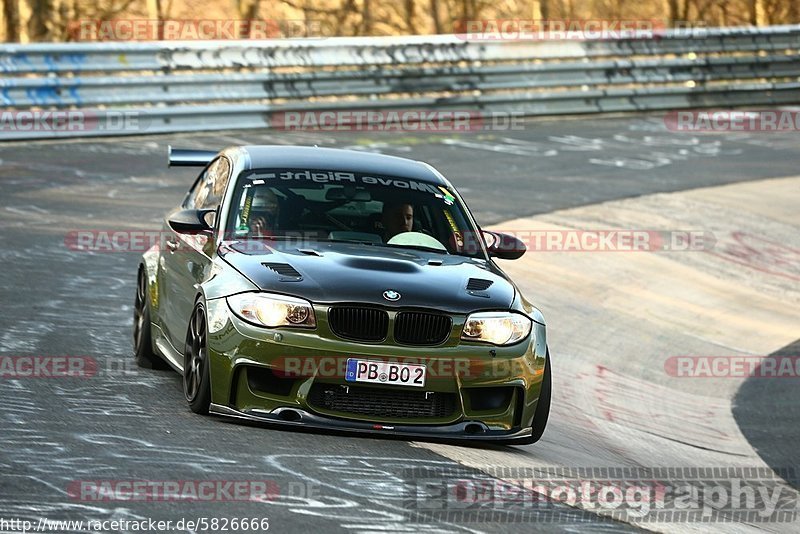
[149,263]
[539,327]
[223,280]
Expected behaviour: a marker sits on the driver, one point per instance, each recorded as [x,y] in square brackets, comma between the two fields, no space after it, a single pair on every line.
[264,213]
[396,219]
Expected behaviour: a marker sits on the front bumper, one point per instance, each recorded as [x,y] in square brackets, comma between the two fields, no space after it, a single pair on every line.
[239,351]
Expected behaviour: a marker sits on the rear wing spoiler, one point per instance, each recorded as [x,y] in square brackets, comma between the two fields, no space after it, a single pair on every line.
[182,157]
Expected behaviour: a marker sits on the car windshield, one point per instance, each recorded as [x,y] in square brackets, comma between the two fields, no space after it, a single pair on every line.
[318,205]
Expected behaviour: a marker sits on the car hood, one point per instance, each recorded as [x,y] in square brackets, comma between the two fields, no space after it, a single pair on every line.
[353,273]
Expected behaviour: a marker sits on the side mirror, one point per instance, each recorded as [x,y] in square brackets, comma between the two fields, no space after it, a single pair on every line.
[503,246]
[192,221]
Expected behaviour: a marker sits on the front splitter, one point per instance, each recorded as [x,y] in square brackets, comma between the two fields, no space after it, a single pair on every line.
[474,431]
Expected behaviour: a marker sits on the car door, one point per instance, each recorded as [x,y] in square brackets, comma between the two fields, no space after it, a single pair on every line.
[187,258]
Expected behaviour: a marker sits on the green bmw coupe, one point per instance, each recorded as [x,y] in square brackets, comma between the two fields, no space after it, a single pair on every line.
[345,291]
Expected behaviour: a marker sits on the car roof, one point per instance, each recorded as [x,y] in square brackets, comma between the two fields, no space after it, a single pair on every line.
[337,159]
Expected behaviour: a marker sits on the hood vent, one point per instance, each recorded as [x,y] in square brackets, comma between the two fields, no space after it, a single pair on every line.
[286,271]
[478,284]
[380,264]
[309,252]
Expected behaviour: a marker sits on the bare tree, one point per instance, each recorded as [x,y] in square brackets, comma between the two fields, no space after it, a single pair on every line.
[757,12]
[154,12]
[792,12]
[11,18]
[40,21]
[366,18]
[248,11]
[544,8]
[411,17]
[47,20]
[437,23]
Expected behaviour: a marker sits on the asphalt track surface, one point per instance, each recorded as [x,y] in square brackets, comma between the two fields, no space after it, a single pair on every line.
[131,424]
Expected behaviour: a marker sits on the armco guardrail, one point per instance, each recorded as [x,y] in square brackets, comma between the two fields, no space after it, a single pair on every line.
[216,85]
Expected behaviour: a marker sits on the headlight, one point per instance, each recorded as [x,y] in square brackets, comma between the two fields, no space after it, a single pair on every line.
[272,310]
[497,328]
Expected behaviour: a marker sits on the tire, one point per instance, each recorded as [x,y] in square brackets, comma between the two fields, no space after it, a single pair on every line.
[142,338]
[196,375]
[542,413]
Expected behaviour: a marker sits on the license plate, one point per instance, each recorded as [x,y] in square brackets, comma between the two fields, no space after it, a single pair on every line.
[396,374]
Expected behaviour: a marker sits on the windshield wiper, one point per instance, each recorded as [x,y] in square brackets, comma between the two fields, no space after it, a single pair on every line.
[355,241]
[263,238]
[421,247]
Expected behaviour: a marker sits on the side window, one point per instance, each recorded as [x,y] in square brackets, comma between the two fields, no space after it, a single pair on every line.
[189,201]
[207,193]
[217,180]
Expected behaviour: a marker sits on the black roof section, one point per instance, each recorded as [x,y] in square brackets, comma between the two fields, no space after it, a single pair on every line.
[337,159]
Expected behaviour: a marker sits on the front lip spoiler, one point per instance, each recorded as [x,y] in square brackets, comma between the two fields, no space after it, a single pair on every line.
[457,431]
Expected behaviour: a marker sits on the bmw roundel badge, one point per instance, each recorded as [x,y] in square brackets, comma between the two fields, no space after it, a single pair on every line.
[391,294]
